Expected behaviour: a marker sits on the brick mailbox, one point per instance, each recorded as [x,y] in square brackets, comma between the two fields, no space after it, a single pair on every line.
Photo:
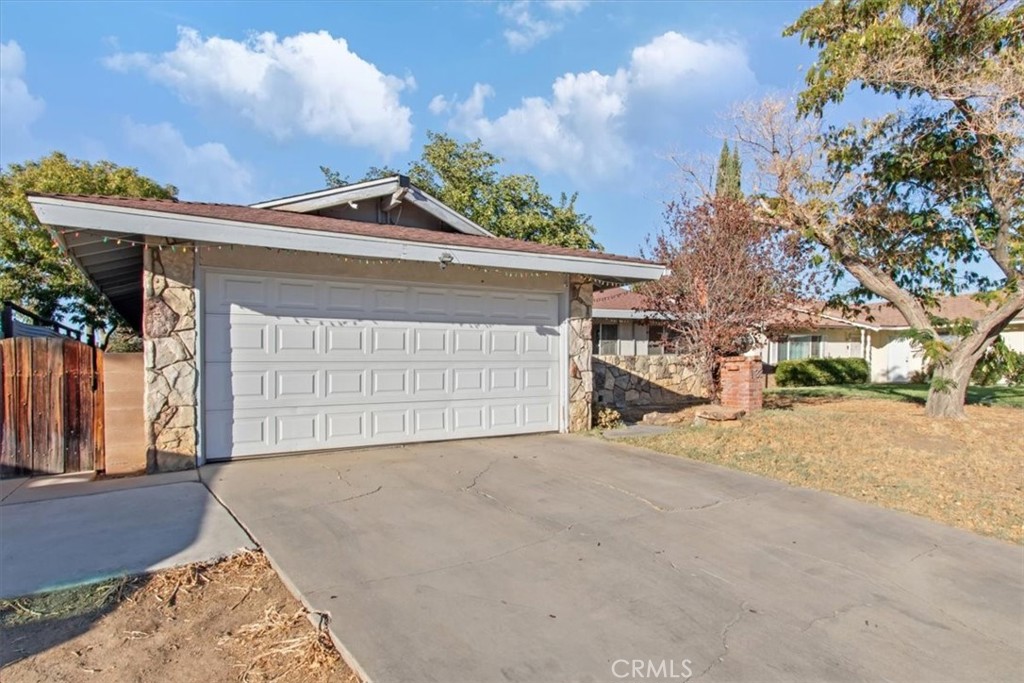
[742,383]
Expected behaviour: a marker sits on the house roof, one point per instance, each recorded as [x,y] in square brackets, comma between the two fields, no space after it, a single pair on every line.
[618,302]
[104,236]
[397,189]
[883,315]
[619,299]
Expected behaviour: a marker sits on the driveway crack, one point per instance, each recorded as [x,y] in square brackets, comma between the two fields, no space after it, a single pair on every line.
[479,474]
[835,613]
[725,641]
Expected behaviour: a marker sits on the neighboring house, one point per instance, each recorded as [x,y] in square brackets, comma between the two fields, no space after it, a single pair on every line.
[622,327]
[362,315]
[875,334]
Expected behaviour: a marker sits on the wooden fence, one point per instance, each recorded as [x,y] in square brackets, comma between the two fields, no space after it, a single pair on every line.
[52,412]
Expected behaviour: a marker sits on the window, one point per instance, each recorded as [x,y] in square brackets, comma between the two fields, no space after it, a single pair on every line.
[800,346]
[656,339]
[606,339]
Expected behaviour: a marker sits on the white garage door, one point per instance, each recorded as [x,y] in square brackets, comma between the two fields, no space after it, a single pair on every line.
[300,364]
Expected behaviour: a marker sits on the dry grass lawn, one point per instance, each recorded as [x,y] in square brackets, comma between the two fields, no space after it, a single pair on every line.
[968,474]
[226,621]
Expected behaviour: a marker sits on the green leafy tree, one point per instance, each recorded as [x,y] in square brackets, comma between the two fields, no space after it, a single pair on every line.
[728,174]
[34,272]
[911,202]
[466,177]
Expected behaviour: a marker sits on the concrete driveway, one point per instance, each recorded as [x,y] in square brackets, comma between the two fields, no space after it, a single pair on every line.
[568,558]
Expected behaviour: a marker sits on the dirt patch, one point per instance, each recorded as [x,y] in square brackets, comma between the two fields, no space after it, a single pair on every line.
[227,621]
[968,474]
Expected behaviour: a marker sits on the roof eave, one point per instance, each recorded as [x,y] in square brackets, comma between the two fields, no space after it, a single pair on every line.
[81,215]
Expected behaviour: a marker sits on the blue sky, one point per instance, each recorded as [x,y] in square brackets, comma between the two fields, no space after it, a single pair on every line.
[240,102]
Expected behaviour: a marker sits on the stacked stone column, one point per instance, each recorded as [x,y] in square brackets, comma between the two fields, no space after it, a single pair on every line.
[581,376]
[171,375]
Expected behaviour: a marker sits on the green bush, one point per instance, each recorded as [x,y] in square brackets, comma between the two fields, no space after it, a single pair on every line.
[819,372]
[999,364]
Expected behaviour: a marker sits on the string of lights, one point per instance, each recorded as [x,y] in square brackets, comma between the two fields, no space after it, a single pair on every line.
[196,248]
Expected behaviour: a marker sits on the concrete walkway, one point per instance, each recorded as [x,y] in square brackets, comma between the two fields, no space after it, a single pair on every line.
[63,531]
[560,558]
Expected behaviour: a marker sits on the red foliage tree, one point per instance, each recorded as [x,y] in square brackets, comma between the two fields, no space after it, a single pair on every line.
[732,281]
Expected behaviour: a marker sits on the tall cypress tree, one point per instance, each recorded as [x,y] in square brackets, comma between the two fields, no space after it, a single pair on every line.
[727,176]
[736,175]
[722,172]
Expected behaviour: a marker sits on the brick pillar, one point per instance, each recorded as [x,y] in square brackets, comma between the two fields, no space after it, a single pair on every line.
[742,383]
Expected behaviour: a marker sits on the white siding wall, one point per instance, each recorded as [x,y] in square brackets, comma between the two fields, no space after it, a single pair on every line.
[1013,335]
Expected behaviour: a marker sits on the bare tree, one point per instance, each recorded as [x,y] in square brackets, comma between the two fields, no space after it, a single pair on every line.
[731,276]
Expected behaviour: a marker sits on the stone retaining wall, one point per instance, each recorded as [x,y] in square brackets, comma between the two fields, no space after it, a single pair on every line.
[623,381]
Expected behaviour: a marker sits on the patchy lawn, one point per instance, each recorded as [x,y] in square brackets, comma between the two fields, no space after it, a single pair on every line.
[914,393]
[227,621]
[968,474]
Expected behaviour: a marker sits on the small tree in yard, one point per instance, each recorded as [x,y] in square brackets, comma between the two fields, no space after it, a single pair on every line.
[33,270]
[911,202]
[730,277]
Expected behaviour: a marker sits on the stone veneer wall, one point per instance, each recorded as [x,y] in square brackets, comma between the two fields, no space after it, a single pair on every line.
[623,381]
[581,376]
[169,326]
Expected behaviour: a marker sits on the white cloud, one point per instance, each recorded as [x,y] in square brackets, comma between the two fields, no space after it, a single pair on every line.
[592,123]
[439,104]
[202,172]
[19,108]
[308,83]
[527,29]
[570,6]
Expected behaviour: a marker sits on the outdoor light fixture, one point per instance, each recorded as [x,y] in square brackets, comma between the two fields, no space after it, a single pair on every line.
[444,259]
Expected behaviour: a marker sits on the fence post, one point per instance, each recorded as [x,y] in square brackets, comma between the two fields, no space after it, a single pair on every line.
[7,321]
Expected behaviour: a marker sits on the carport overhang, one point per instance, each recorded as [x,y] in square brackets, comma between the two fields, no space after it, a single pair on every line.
[108,242]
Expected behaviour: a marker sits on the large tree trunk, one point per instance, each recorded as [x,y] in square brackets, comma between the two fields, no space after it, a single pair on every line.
[948,391]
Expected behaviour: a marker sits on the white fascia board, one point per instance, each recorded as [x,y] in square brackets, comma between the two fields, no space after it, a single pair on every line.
[619,314]
[443,212]
[373,189]
[333,196]
[113,219]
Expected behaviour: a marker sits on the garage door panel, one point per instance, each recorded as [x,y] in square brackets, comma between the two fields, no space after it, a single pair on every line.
[345,299]
[344,385]
[430,341]
[344,341]
[297,364]
[389,300]
[297,384]
[389,341]
[295,295]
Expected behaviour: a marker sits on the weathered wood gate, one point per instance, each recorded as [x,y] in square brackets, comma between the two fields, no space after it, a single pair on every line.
[52,413]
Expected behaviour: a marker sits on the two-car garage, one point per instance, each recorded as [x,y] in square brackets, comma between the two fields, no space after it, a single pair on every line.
[366,315]
[294,364]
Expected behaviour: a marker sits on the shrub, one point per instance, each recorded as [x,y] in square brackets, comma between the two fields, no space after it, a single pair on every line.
[999,364]
[817,372]
[607,418]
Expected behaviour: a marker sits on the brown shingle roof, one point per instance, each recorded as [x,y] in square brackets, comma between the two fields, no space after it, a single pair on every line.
[289,219]
[814,314]
[619,299]
[886,315]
